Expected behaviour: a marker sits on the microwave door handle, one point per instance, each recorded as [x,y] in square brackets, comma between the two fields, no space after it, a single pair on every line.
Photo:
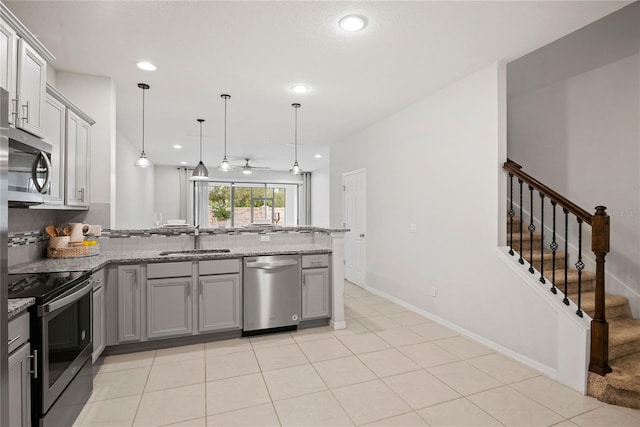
[67,299]
[34,173]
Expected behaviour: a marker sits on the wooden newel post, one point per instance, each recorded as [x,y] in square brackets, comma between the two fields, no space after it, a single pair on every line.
[599,362]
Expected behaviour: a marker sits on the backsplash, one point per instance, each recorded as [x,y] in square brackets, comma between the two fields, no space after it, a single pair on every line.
[28,246]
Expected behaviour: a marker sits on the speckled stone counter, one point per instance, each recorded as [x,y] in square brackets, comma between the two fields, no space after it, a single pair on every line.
[94,263]
[19,305]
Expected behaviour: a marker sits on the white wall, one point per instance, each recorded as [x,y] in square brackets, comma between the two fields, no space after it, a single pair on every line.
[135,188]
[574,109]
[437,164]
[167,191]
[320,196]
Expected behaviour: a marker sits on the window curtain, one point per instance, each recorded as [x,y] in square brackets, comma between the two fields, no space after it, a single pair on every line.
[186,195]
[305,199]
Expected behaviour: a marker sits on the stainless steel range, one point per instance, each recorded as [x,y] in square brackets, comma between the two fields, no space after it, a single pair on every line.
[61,336]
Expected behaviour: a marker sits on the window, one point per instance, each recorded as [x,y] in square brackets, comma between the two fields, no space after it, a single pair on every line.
[254,203]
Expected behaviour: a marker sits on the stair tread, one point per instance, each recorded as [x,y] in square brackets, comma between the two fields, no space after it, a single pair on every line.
[525,236]
[589,300]
[623,330]
[572,275]
[626,373]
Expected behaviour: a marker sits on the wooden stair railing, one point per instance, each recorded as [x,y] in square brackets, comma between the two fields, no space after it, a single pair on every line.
[599,222]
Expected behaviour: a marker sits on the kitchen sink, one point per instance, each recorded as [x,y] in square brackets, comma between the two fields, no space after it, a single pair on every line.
[195,252]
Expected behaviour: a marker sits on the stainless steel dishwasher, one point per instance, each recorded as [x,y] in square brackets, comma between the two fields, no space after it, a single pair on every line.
[271,292]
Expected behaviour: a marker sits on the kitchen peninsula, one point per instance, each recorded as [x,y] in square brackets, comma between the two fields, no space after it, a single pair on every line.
[175,285]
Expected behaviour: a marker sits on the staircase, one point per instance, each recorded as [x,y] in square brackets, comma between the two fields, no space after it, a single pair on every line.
[622,385]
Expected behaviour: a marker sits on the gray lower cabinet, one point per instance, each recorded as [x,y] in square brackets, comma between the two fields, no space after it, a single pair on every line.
[19,380]
[169,307]
[219,295]
[99,315]
[220,302]
[129,303]
[316,293]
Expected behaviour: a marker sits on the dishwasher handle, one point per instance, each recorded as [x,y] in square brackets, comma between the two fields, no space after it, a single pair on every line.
[271,265]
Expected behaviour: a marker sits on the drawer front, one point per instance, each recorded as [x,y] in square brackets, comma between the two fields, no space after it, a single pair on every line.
[315,261]
[18,331]
[169,269]
[219,266]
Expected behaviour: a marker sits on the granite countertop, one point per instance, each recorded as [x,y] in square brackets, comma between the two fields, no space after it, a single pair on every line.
[95,263]
[18,305]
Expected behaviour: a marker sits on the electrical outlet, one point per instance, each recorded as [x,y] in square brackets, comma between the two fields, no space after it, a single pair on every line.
[265,238]
[433,291]
[413,228]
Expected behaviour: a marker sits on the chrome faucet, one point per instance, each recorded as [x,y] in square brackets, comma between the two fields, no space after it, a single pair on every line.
[196,237]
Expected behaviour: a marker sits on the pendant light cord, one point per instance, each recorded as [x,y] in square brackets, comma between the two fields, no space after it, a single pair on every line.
[296,133]
[200,139]
[143,90]
[225,126]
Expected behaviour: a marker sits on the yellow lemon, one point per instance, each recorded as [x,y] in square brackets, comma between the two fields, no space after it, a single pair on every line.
[85,243]
[93,243]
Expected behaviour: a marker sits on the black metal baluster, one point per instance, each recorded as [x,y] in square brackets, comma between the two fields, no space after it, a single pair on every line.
[521,260]
[531,229]
[566,253]
[511,214]
[542,239]
[579,267]
[554,248]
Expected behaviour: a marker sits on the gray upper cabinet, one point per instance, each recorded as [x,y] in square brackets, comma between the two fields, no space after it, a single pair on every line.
[78,160]
[316,293]
[32,78]
[8,66]
[169,305]
[220,302]
[129,303]
[54,131]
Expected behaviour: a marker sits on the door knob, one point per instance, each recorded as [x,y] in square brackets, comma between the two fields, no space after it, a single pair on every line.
[362,235]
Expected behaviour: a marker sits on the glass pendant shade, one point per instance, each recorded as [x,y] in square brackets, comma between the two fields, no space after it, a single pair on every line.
[295,169]
[200,173]
[225,166]
[142,161]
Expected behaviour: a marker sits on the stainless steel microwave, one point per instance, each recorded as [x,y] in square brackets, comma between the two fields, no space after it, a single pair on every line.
[30,169]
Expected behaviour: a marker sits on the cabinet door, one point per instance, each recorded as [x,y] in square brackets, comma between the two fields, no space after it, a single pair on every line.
[169,307]
[99,323]
[8,66]
[220,302]
[20,387]
[129,303]
[32,78]
[53,131]
[315,293]
[78,138]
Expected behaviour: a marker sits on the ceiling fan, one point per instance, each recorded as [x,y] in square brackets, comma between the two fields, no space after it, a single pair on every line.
[247,168]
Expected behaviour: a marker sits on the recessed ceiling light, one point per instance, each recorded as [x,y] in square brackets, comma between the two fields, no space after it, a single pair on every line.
[183,163]
[298,88]
[353,23]
[318,156]
[147,66]
[177,146]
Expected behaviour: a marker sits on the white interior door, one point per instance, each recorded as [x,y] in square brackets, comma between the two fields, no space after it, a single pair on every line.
[355,214]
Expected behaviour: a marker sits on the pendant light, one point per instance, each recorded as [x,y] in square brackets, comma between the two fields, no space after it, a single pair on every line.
[225,166]
[295,169]
[200,173]
[142,161]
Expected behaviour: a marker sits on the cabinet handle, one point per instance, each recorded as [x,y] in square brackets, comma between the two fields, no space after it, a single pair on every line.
[14,112]
[11,341]
[81,192]
[34,357]
[25,111]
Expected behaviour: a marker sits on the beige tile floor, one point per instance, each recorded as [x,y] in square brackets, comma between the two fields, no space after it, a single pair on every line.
[390,367]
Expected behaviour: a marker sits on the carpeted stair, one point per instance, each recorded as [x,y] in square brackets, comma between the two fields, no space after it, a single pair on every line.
[622,386]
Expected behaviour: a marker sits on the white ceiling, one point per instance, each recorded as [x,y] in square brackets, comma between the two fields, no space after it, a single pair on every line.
[255,51]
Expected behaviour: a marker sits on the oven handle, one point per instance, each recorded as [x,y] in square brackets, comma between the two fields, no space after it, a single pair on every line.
[67,299]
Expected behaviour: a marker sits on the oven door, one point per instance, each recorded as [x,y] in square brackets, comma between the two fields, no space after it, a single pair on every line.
[66,340]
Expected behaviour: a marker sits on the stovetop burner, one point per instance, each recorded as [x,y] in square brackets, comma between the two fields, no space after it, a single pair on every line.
[44,286]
